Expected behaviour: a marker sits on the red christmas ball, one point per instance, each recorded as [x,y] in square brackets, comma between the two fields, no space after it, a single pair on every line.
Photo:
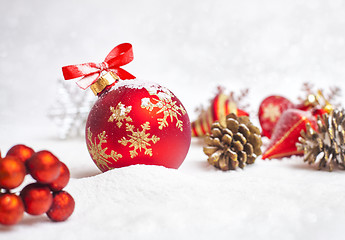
[63,179]
[21,151]
[37,198]
[62,207]
[11,209]
[136,122]
[43,166]
[270,110]
[12,172]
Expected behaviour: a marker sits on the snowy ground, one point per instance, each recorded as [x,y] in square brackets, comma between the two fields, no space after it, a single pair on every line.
[191,47]
[283,199]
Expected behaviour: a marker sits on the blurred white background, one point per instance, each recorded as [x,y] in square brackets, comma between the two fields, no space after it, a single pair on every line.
[269,46]
[191,47]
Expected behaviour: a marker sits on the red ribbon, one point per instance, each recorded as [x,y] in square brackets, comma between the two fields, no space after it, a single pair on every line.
[90,72]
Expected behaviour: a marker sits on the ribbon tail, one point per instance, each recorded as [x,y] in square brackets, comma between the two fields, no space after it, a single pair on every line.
[123,74]
[88,80]
[79,70]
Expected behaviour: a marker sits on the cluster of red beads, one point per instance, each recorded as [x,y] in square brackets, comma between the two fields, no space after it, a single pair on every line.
[46,195]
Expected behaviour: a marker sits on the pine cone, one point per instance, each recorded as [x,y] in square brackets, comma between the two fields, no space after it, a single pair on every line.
[328,144]
[236,144]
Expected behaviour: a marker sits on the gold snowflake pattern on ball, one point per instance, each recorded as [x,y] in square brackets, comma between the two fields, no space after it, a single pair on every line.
[139,139]
[272,112]
[120,114]
[166,106]
[98,153]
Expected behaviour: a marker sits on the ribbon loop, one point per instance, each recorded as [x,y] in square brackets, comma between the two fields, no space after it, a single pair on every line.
[90,72]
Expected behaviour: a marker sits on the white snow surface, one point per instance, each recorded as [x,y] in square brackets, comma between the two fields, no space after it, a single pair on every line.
[190,47]
[276,199]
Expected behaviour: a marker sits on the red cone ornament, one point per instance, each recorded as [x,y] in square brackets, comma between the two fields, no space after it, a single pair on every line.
[286,133]
[133,121]
[270,110]
[221,106]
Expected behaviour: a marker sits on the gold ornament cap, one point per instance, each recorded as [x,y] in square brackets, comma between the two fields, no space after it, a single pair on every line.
[104,81]
[318,99]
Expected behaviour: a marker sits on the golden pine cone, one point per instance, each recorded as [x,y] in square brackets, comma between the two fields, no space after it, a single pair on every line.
[234,145]
[327,146]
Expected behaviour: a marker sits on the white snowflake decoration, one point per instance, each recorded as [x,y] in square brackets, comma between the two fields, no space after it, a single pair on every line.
[71,109]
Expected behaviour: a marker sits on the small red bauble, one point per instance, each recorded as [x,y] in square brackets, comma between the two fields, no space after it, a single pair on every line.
[11,209]
[21,151]
[136,122]
[62,207]
[43,166]
[37,198]
[12,172]
[63,179]
[270,110]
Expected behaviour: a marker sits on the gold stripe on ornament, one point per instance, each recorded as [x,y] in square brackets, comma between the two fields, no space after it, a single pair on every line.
[202,125]
[285,154]
[221,108]
[198,128]
[210,119]
[232,107]
[205,125]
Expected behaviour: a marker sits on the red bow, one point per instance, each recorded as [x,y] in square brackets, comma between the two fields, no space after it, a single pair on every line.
[90,72]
